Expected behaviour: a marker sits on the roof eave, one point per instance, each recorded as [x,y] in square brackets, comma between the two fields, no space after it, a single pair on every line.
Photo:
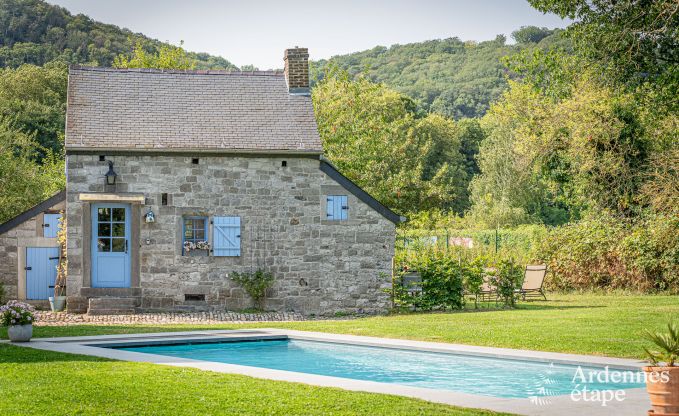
[33,211]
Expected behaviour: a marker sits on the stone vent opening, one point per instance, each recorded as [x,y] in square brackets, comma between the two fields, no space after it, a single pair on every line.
[163,198]
[284,163]
[102,158]
[195,160]
[194,298]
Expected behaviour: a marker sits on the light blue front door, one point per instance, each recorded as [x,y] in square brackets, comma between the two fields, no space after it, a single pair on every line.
[41,272]
[110,245]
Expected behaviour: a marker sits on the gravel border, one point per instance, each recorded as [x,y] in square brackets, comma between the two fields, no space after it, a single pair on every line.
[46,318]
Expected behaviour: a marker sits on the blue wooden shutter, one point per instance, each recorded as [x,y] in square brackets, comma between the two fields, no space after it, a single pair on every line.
[337,207]
[330,210]
[50,225]
[343,207]
[226,236]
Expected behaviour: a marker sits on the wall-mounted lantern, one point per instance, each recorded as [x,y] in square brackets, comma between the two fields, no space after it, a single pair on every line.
[150,217]
[111,174]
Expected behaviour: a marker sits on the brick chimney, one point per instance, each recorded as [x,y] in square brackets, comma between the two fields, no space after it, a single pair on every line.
[297,70]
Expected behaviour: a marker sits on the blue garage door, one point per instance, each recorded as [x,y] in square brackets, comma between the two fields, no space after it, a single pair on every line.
[41,271]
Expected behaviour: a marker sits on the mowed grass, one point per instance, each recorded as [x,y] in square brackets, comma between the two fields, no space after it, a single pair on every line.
[35,382]
[610,325]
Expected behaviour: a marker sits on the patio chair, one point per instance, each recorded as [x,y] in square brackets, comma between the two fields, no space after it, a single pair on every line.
[412,281]
[533,279]
[488,291]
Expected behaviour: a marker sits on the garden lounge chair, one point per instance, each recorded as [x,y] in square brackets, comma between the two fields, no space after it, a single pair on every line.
[488,291]
[533,279]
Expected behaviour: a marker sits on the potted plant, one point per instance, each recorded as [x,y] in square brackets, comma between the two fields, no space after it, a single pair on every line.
[662,376]
[199,248]
[18,316]
[58,301]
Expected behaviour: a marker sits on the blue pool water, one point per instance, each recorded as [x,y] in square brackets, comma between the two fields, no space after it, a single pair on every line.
[461,373]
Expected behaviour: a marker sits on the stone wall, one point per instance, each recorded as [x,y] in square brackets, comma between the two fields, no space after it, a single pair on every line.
[9,256]
[320,266]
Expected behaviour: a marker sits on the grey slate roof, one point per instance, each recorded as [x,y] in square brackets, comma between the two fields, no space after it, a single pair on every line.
[146,109]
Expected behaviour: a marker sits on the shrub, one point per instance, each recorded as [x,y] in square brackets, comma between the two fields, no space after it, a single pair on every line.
[580,255]
[447,274]
[442,282]
[604,252]
[16,313]
[650,250]
[472,272]
[255,284]
[507,278]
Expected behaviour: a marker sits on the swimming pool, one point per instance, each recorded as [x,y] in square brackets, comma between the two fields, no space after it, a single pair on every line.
[487,376]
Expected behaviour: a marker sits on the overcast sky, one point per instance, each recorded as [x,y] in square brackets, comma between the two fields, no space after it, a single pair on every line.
[257,31]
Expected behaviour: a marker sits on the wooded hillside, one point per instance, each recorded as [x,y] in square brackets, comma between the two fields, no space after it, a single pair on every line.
[452,77]
[35,32]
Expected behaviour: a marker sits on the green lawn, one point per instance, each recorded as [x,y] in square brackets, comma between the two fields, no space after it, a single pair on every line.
[586,324]
[71,384]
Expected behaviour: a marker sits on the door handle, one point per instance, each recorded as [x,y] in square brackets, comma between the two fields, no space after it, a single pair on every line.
[28,268]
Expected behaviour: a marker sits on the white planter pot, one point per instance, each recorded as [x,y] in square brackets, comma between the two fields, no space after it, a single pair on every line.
[20,333]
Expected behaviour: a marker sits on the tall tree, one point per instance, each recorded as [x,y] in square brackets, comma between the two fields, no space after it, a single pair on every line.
[24,182]
[531,34]
[632,41]
[34,99]
[375,136]
[167,57]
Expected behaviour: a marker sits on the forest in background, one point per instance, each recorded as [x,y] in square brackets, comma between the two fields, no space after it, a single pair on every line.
[35,32]
[452,77]
[572,130]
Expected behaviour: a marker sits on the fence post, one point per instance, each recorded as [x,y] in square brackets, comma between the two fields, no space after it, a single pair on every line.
[496,241]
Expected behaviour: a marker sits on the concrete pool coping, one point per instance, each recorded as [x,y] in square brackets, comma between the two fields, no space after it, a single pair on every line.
[636,400]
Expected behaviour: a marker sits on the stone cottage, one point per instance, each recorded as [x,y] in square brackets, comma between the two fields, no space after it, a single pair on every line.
[177,179]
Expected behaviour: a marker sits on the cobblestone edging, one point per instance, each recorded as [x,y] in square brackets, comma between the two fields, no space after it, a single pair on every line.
[44,318]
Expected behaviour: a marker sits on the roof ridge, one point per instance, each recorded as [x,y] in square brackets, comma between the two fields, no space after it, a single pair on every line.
[177,71]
